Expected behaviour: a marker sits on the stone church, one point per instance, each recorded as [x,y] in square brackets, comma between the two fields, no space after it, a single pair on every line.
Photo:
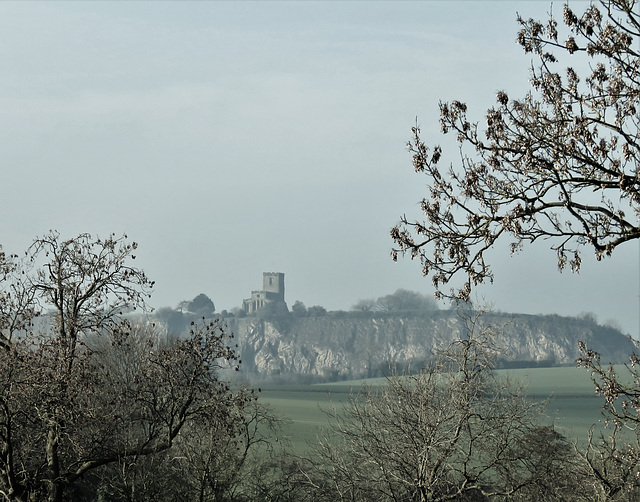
[272,291]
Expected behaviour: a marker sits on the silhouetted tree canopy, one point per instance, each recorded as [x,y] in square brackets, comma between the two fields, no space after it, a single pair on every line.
[366,305]
[405,300]
[402,300]
[202,305]
[317,311]
[298,309]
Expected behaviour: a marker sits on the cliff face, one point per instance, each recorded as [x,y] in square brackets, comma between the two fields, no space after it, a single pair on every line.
[354,347]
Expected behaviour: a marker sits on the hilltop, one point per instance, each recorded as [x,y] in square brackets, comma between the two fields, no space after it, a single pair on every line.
[345,345]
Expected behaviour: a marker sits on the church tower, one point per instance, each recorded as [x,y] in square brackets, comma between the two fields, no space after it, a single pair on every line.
[273,285]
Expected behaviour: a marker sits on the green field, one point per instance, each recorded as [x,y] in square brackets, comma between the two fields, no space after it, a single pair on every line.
[572,407]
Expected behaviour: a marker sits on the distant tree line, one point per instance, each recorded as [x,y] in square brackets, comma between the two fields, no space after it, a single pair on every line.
[400,301]
[300,310]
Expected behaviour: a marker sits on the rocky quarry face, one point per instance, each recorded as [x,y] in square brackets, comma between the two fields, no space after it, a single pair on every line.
[356,346]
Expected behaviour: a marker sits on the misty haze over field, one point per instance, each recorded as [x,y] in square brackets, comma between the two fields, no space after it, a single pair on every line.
[233,138]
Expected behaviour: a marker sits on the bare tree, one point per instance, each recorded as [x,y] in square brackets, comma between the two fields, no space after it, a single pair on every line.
[17,302]
[561,164]
[365,305]
[453,431]
[65,412]
[218,465]
[612,454]
[215,458]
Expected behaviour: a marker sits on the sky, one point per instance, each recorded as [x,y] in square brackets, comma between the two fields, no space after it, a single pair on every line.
[234,138]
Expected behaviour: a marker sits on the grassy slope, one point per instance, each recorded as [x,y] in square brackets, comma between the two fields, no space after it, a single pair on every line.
[573,406]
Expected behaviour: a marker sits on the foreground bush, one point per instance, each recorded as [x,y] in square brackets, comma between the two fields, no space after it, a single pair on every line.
[453,431]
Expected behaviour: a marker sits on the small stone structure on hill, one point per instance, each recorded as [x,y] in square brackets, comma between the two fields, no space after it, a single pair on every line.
[272,291]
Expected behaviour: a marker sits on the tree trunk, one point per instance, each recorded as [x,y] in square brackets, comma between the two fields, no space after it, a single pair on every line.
[54,488]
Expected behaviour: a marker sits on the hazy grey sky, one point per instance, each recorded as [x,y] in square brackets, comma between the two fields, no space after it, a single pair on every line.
[232,138]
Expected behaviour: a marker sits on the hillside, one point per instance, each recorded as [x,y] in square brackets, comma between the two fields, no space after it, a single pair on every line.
[348,345]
